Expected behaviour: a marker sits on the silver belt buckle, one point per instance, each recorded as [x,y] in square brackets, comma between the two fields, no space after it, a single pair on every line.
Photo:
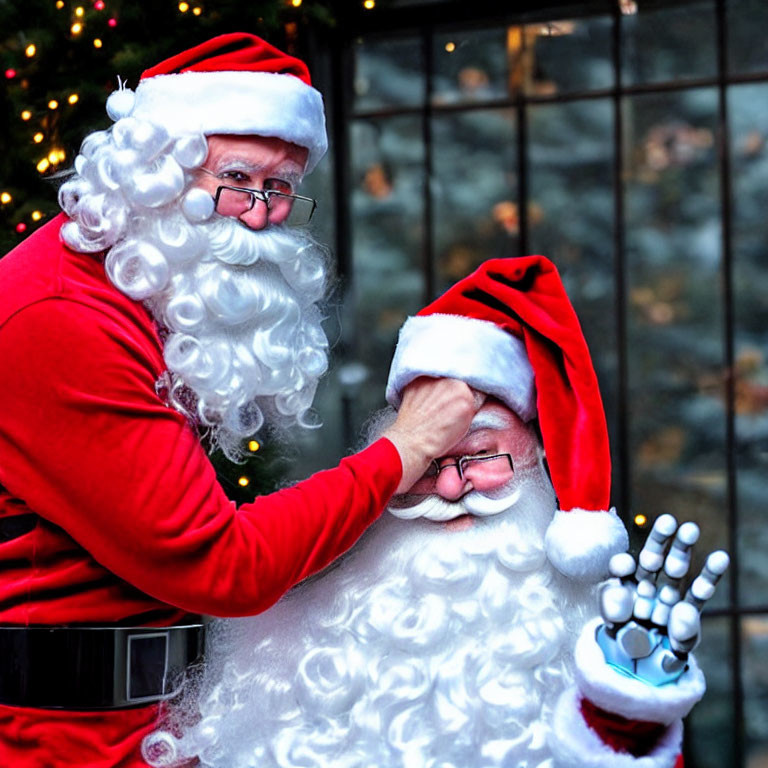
[147,667]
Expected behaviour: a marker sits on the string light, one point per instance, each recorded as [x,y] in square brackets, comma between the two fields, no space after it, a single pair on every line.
[62,155]
[30,50]
[79,11]
[38,137]
[183,7]
[99,5]
[21,227]
[295,3]
[43,165]
[53,104]
[254,445]
[53,157]
[5,198]
[37,215]
[10,74]
[112,22]
[640,520]
[97,43]
[73,98]
[369,4]
[197,10]
[59,4]
[450,47]
[76,28]
[26,115]
[243,481]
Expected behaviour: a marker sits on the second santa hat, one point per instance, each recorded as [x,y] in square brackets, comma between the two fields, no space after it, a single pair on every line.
[509,330]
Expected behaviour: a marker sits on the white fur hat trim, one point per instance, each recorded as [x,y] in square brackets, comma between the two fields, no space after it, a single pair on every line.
[475,351]
[240,103]
[575,745]
[579,543]
[632,698]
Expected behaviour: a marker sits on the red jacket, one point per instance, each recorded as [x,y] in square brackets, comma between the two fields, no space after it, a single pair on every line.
[132,526]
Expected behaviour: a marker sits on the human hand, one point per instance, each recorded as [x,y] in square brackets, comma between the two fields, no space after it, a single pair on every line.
[648,630]
[433,416]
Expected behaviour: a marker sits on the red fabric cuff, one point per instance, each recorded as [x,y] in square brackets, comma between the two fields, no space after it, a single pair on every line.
[634,737]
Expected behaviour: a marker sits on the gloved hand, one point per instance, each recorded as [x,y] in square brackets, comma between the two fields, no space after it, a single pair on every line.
[648,630]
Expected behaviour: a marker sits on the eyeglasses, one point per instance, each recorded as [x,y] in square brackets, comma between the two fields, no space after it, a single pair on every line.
[485,472]
[290,210]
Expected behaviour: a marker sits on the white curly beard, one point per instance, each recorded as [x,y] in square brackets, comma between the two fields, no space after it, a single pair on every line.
[430,644]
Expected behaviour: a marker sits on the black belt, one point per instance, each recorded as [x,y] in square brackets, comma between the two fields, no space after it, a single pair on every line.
[95,667]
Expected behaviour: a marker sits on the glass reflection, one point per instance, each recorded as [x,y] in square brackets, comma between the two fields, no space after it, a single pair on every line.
[389,72]
[387,241]
[755,643]
[474,191]
[748,111]
[747,51]
[674,314]
[673,43]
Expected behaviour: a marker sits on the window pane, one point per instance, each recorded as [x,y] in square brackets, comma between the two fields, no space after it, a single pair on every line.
[471,65]
[570,167]
[755,642]
[669,43]
[474,191]
[749,154]
[389,72]
[568,55]
[747,47]
[709,729]
[387,242]
[675,332]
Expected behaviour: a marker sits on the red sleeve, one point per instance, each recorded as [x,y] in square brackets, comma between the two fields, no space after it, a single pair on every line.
[87,444]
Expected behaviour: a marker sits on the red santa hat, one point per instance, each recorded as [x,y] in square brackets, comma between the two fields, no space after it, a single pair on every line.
[509,330]
[233,84]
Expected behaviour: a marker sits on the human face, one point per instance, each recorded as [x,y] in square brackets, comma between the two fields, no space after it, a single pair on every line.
[255,162]
[495,430]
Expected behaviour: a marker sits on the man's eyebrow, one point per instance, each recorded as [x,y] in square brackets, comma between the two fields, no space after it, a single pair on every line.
[489,421]
[289,170]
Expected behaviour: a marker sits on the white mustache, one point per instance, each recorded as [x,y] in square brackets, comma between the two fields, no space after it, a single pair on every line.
[439,510]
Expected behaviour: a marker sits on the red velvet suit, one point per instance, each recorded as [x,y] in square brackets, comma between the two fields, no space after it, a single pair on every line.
[131,525]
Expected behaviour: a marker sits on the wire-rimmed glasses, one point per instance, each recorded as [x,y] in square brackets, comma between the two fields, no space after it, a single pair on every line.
[485,472]
[287,209]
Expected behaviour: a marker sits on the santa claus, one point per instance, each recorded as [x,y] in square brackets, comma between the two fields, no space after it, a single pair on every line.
[170,297]
[463,629]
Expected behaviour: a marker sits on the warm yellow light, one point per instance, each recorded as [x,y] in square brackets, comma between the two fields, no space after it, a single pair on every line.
[30,50]
[76,28]
[79,11]
[36,215]
[183,7]
[450,47]
[62,155]
[254,445]
[59,4]
[26,114]
[43,165]
[73,98]
[640,520]
[243,481]
[97,43]
[368,4]
[295,3]
[197,10]
[38,137]
[53,157]
[5,198]
[53,104]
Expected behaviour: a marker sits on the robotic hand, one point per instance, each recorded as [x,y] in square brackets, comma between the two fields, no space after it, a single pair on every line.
[648,630]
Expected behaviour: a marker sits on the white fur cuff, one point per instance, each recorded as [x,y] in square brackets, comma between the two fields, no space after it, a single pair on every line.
[575,745]
[632,698]
[580,543]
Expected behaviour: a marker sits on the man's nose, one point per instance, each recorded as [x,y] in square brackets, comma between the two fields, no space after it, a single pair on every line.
[258,217]
[450,486]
